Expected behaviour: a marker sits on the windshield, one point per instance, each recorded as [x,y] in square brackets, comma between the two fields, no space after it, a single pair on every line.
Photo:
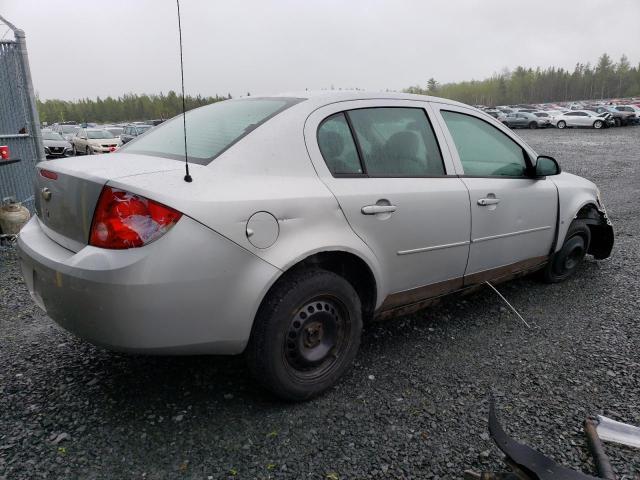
[210,129]
[69,129]
[51,136]
[99,134]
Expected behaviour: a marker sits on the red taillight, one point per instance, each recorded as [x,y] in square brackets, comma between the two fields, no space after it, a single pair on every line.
[124,220]
[49,174]
[4,152]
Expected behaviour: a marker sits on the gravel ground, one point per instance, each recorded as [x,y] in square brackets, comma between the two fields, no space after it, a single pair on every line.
[414,406]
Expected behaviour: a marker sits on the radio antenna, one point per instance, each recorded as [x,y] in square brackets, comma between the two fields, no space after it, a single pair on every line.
[187,177]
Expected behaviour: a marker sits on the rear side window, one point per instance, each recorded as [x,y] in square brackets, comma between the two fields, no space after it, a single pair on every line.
[210,129]
[396,142]
[483,149]
[337,146]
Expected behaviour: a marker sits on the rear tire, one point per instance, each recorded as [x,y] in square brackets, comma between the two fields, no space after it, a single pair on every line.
[617,121]
[598,124]
[305,335]
[561,124]
[564,263]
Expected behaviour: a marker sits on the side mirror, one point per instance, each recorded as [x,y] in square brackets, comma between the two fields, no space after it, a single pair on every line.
[546,166]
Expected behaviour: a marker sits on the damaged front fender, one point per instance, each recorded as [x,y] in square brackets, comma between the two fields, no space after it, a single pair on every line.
[602,235]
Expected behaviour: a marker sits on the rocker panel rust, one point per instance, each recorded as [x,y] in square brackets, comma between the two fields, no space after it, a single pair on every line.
[410,301]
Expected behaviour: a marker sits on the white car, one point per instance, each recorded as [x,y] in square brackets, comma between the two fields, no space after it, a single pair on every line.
[304,216]
[88,141]
[579,118]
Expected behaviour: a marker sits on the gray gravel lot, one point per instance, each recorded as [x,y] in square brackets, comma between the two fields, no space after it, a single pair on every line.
[414,405]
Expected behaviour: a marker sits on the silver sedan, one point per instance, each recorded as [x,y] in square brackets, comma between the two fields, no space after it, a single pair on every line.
[307,215]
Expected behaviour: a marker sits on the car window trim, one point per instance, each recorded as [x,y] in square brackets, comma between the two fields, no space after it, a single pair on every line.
[527,160]
[365,174]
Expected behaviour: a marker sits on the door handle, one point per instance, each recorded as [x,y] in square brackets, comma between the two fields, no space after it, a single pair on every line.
[374,209]
[488,201]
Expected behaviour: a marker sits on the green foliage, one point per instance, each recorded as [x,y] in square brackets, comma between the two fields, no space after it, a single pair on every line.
[129,107]
[526,85]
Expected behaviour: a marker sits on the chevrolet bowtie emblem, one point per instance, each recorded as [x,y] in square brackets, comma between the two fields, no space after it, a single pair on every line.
[46,194]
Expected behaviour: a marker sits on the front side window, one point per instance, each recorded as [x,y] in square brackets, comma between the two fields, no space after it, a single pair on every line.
[483,149]
[337,146]
[396,142]
[210,129]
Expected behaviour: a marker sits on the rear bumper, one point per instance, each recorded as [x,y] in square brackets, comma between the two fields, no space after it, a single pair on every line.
[190,292]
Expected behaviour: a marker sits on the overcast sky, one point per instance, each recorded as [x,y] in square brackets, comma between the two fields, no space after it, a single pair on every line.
[89,48]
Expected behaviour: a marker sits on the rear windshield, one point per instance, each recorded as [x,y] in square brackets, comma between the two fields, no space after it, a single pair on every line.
[69,128]
[210,129]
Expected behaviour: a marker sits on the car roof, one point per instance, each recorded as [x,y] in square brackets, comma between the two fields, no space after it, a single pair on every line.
[325,97]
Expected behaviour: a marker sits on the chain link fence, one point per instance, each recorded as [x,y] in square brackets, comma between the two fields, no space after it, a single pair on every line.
[19,122]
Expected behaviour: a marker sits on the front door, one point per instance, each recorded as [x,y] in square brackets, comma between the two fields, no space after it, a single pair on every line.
[513,215]
[398,190]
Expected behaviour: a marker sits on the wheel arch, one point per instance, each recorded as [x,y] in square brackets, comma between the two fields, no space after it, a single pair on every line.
[355,268]
[602,235]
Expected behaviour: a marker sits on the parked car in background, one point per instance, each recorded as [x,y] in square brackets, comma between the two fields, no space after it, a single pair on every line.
[67,131]
[526,120]
[621,119]
[580,118]
[55,146]
[630,109]
[307,216]
[132,131]
[93,140]
[497,114]
[114,129]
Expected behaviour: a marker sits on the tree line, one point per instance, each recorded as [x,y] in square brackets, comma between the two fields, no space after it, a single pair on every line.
[607,79]
[129,107]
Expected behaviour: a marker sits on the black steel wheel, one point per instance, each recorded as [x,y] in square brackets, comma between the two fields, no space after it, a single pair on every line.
[306,334]
[565,262]
[318,333]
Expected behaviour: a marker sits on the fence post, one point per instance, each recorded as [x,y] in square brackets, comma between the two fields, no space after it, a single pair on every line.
[34,118]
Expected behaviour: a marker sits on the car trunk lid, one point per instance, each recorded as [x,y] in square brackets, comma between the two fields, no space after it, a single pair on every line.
[67,191]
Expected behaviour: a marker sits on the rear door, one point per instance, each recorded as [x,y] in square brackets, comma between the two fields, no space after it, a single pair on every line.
[513,216]
[398,190]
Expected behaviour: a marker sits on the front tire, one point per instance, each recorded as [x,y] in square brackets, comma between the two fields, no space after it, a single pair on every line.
[89,151]
[561,124]
[533,125]
[598,124]
[564,263]
[306,334]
